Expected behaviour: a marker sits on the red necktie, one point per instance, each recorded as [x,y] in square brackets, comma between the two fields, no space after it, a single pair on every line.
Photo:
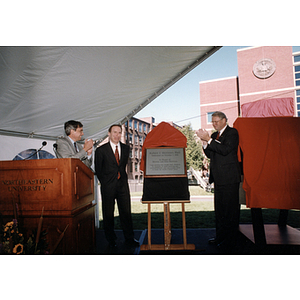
[117,159]
[218,135]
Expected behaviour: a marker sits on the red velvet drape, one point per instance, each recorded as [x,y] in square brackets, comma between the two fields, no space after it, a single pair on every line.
[271,161]
[276,107]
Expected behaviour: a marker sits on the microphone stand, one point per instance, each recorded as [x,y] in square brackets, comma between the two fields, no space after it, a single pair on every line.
[37,151]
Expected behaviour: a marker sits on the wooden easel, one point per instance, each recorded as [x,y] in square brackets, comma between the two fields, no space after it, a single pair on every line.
[167,228]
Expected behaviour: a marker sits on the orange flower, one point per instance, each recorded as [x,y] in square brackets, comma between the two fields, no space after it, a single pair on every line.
[18,249]
[9,224]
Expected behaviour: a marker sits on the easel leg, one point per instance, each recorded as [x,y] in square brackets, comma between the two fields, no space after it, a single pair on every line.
[184,226]
[167,225]
[149,226]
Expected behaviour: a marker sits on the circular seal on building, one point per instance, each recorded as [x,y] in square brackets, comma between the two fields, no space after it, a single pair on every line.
[264,68]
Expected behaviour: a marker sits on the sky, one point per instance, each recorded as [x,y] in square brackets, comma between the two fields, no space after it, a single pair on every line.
[181,102]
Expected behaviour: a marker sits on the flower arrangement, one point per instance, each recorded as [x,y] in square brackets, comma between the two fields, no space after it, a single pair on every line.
[12,241]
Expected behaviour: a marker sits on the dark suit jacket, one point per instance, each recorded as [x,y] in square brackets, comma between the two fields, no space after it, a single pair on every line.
[107,169]
[224,165]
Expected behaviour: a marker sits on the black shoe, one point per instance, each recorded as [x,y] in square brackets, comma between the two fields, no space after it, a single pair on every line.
[132,243]
[212,241]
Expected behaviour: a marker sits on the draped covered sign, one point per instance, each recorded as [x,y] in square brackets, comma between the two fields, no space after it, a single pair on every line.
[271,161]
[169,187]
[163,135]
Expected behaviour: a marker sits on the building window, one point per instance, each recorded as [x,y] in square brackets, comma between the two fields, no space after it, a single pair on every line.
[297,69]
[130,124]
[297,58]
[145,128]
[209,117]
[297,80]
[140,127]
[298,102]
[130,138]
[135,125]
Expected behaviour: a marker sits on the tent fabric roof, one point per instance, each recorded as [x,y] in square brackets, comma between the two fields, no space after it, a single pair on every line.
[43,87]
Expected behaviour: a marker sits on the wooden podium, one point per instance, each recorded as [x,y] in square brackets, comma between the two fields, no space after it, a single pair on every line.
[63,189]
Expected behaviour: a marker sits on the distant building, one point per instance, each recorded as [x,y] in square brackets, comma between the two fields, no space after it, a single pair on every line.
[135,132]
[266,72]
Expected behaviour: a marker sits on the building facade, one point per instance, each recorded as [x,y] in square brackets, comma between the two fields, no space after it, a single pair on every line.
[268,72]
[135,132]
[221,95]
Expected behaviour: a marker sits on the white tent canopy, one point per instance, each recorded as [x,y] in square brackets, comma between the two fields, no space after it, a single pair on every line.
[43,87]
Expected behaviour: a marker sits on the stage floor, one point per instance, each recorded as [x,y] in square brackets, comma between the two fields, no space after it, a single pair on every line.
[286,244]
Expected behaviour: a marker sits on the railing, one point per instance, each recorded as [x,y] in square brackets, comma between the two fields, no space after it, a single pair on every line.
[199,178]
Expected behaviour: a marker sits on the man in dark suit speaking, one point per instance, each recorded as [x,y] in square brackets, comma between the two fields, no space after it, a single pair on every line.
[110,165]
[221,148]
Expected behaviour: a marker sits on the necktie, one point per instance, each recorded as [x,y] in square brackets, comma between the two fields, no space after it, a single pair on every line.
[218,135]
[75,146]
[117,159]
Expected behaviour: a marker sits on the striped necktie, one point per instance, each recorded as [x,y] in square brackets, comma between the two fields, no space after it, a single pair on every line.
[75,146]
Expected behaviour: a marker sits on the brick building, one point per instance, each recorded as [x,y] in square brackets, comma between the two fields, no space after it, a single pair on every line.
[268,72]
[135,132]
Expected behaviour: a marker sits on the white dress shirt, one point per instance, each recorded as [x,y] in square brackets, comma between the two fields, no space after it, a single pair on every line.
[113,146]
[220,133]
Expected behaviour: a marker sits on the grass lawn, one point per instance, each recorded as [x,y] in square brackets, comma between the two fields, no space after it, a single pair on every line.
[199,214]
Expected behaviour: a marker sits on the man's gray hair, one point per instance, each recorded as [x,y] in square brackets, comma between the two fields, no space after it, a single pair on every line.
[219,114]
[72,125]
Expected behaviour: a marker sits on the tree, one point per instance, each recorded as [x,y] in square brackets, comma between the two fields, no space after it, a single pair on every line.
[194,154]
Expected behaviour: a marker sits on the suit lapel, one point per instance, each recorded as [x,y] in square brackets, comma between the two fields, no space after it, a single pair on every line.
[71,145]
[224,133]
[122,152]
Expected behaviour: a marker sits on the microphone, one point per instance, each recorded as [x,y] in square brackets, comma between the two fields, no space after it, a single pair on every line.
[55,149]
[34,153]
[97,142]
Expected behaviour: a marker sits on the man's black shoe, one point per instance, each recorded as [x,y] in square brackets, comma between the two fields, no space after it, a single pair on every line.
[132,243]
[212,241]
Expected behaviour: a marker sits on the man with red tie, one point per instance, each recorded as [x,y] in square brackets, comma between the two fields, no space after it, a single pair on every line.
[110,165]
[221,148]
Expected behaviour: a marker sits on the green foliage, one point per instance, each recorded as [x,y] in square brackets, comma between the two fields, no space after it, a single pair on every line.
[194,154]
[12,240]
